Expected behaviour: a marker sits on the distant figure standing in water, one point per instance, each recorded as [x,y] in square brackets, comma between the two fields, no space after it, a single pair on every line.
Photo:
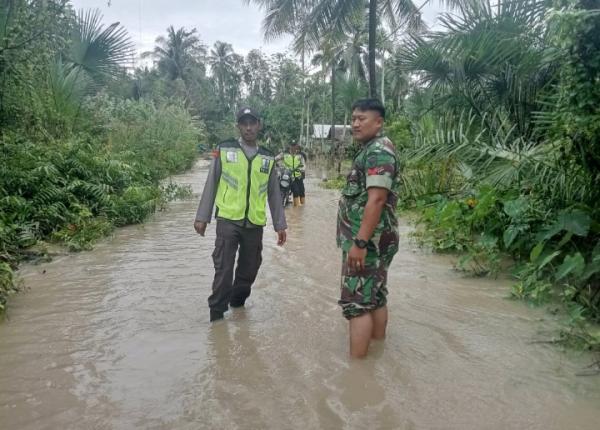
[295,161]
[367,228]
[240,180]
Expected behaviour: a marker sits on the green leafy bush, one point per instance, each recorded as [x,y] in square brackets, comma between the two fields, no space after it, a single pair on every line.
[553,249]
[334,184]
[75,190]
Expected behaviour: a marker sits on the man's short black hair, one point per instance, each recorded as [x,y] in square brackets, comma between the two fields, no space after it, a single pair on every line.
[364,105]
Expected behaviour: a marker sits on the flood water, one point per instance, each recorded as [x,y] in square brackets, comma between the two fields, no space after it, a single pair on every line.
[118,338]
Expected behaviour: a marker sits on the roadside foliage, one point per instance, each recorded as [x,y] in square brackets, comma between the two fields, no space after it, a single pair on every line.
[506,151]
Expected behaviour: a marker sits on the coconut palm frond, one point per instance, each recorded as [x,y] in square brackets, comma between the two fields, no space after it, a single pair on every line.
[68,85]
[408,15]
[100,51]
[333,17]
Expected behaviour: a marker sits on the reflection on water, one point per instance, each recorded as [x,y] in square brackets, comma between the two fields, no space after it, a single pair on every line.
[118,338]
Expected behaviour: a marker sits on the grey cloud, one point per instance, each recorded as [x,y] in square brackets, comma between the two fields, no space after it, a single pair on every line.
[227,20]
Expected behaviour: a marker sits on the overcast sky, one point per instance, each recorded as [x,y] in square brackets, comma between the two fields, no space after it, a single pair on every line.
[230,21]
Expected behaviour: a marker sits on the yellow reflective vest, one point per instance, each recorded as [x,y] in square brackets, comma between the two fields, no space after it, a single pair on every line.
[242,189]
[294,163]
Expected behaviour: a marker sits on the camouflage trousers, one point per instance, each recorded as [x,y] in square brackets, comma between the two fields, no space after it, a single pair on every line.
[366,290]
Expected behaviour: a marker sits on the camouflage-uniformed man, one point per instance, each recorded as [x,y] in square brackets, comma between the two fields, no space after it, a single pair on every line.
[367,229]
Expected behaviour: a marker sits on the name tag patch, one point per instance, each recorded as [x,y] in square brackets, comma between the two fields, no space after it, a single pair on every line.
[232,157]
[264,168]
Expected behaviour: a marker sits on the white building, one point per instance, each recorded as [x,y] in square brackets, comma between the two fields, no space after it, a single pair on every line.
[321,136]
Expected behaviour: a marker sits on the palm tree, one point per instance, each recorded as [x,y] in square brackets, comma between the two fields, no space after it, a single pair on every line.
[234,80]
[338,15]
[221,60]
[289,17]
[385,43]
[95,55]
[320,17]
[354,51]
[397,78]
[179,51]
[490,74]
[329,59]
[258,77]
[100,52]
[488,59]
[287,76]
[344,54]
[351,89]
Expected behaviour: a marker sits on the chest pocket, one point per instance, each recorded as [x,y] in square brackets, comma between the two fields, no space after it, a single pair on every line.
[354,183]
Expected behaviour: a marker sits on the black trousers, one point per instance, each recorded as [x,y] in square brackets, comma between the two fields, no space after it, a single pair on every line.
[230,238]
[298,187]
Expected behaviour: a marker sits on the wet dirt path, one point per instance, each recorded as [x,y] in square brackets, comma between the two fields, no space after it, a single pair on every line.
[118,338]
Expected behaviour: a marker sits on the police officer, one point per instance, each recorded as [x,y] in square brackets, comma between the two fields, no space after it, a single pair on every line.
[294,160]
[367,227]
[240,181]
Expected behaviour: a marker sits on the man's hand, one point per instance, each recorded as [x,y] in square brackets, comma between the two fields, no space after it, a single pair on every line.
[371,216]
[281,237]
[200,227]
[356,259]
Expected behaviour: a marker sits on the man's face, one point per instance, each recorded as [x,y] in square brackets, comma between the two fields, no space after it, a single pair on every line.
[249,128]
[366,124]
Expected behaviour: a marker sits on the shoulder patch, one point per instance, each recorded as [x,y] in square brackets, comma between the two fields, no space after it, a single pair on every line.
[378,170]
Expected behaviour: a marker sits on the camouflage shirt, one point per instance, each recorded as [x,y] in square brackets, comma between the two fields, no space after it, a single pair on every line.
[376,165]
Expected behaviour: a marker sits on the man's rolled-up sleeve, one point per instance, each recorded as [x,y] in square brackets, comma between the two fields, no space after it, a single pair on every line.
[380,168]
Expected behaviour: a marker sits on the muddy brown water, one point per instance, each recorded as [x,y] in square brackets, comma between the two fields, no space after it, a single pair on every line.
[118,338]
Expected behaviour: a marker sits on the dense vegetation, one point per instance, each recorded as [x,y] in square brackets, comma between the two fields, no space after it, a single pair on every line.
[506,156]
[78,159]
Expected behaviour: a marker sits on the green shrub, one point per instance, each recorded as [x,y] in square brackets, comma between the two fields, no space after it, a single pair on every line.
[7,284]
[76,189]
[399,131]
[334,184]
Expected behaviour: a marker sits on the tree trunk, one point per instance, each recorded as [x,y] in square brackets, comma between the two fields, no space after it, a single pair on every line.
[332,131]
[307,124]
[383,78]
[324,119]
[372,47]
[303,97]
[340,158]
